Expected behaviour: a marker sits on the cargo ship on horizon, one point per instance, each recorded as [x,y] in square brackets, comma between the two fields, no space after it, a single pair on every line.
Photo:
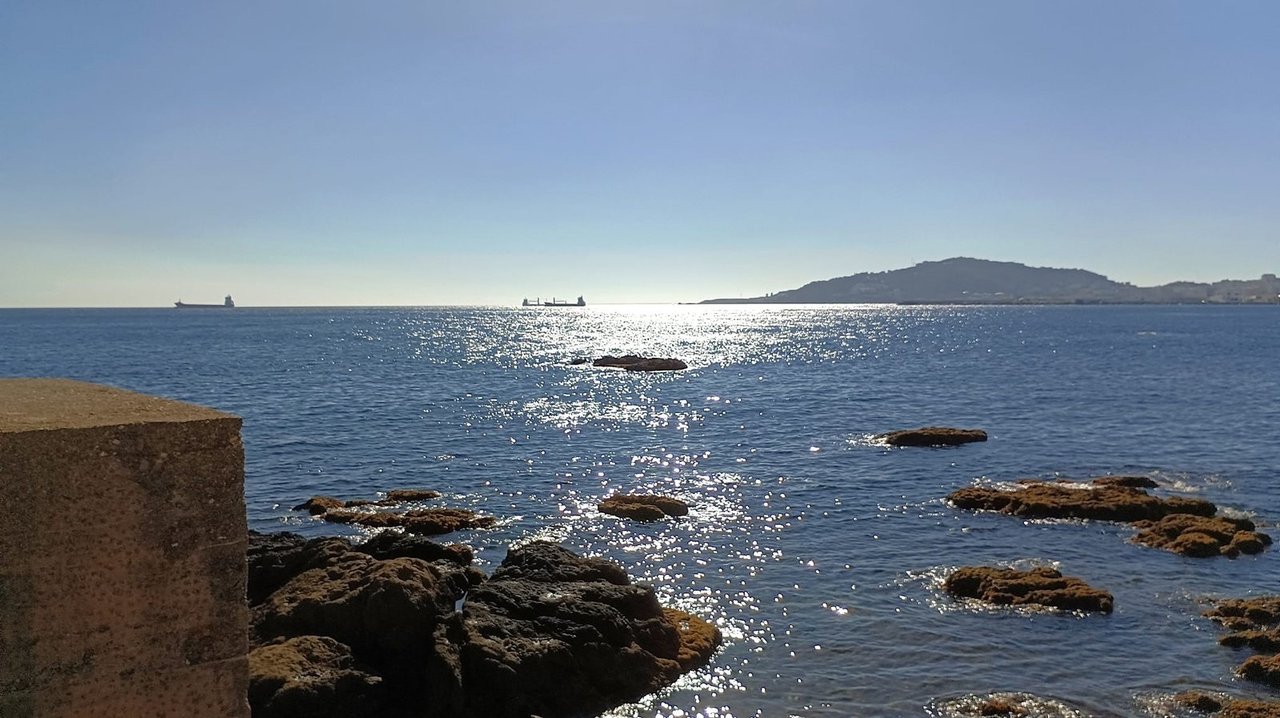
[226,304]
[537,302]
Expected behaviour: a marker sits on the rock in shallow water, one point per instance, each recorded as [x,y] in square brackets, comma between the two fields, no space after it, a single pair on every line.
[429,522]
[1040,500]
[1041,586]
[932,436]
[631,362]
[643,507]
[1202,536]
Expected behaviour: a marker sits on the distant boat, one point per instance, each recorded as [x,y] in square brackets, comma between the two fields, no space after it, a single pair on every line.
[552,303]
[226,304]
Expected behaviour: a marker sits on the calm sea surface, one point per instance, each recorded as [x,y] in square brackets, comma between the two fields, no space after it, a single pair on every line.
[815,550]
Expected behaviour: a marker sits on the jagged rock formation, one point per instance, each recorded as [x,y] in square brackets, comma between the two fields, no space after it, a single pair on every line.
[342,630]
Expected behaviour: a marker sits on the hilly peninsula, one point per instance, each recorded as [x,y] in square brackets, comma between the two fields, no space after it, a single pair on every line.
[962,280]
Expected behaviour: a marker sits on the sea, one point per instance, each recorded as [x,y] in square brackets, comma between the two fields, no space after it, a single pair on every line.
[817,550]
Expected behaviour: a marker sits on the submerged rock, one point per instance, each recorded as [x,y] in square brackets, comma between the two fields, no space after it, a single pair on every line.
[631,362]
[1202,536]
[643,507]
[932,436]
[1040,500]
[1133,482]
[1041,586]
[311,676]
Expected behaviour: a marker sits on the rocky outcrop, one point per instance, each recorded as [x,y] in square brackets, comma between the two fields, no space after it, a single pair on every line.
[643,507]
[631,362]
[932,436]
[1041,586]
[1202,536]
[1223,707]
[550,633]
[311,676]
[396,495]
[1253,623]
[1042,500]
[320,504]
[1181,525]
[429,522]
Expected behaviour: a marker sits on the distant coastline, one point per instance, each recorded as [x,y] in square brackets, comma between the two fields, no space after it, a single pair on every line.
[967,281]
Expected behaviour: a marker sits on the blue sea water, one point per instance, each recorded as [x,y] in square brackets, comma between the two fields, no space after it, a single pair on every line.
[817,551]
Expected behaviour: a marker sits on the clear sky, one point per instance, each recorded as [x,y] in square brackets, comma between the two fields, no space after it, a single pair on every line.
[471,152]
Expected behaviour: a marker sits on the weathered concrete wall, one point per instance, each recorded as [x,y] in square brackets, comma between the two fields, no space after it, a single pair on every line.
[122,555]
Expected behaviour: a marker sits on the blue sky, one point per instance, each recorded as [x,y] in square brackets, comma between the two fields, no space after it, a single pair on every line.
[314,152]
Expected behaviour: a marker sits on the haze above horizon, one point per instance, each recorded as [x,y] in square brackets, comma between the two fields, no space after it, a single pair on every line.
[408,153]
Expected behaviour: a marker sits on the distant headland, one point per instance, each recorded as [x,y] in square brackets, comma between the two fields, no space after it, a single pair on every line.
[962,280]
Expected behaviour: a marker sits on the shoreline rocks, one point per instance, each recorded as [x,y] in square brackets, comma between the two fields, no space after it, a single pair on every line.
[643,507]
[549,633]
[1041,586]
[932,436]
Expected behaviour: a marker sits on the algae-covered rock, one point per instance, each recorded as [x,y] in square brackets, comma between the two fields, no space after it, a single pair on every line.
[1041,586]
[643,507]
[311,676]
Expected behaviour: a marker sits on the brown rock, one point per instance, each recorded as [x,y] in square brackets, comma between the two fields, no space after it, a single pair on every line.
[643,507]
[393,544]
[1197,701]
[310,676]
[384,607]
[275,558]
[419,521]
[1201,536]
[1263,641]
[1250,709]
[319,504]
[411,495]
[698,639]
[932,436]
[1247,613]
[1000,707]
[631,362]
[556,634]
[1262,669]
[1041,586]
[1042,500]
[1133,482]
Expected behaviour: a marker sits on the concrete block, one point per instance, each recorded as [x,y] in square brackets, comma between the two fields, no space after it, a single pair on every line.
[122,555]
